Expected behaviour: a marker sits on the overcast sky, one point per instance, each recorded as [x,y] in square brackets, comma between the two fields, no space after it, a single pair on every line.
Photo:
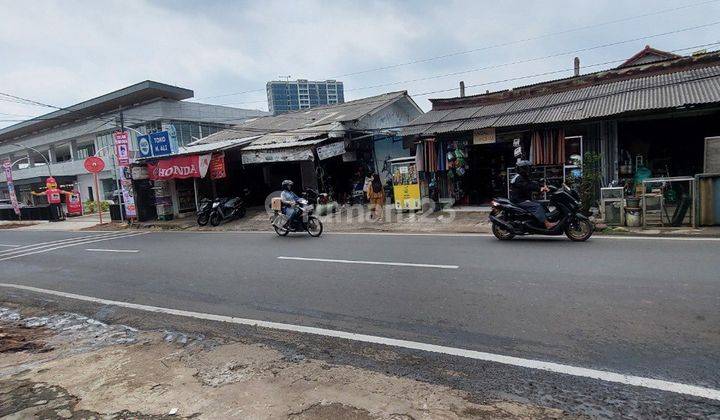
[62,53]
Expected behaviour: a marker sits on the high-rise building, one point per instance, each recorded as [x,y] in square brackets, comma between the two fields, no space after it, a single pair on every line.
[292,95]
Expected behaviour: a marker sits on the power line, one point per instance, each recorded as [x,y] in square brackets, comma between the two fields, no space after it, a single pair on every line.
[545,57]
[489,47]
[519,41]
[135,120]
[530,60]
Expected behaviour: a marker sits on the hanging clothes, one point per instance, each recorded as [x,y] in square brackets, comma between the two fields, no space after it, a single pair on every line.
[420,157]
[430,155]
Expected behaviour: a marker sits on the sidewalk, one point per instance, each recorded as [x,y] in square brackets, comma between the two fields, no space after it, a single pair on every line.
[460,220]
[69,224]
[348,219]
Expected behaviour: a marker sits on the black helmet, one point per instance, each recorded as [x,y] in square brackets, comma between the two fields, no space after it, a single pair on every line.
[287,185]
[523,167]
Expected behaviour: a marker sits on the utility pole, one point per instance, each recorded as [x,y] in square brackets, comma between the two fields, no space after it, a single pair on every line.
[118,187]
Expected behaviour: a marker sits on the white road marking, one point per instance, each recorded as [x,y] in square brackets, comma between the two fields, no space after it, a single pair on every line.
[34,251]
[111,250]
[9,246]
[675,387]
[401,264]
[39,245]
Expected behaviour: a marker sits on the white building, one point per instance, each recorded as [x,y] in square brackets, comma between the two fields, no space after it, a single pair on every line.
[65,137]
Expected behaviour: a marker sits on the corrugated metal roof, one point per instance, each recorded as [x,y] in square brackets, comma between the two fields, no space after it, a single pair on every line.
[661,91]
[315,119]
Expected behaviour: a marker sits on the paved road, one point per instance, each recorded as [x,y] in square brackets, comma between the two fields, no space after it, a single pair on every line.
[646,307]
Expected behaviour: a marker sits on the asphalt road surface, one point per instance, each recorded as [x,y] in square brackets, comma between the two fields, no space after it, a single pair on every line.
[646,307]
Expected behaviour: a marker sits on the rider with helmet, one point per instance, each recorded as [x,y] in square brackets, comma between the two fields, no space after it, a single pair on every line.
[289,200]
[521,191]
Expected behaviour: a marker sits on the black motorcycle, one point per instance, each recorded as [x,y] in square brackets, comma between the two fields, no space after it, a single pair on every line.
[203,213]
[509,219]
[304,221]
[227,209]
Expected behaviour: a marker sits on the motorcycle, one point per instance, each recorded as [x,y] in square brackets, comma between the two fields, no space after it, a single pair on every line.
[225,209]
[323,202]
[303,221]
[509,219]
[203,213]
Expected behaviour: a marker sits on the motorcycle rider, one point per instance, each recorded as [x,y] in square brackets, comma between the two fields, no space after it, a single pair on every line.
[521,191]
[289,201]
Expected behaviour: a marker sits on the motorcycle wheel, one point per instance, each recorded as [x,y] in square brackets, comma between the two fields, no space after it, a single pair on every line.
[501,233]
[314,226]
[203,219]
[215,219]
[281,231]
[579,230]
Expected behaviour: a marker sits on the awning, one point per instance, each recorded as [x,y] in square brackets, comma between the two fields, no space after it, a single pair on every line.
[180,167]
[277,155]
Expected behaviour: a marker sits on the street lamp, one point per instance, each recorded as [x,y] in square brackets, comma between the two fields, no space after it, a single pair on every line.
[38,152]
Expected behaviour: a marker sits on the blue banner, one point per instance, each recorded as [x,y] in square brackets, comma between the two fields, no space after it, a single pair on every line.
[160,144]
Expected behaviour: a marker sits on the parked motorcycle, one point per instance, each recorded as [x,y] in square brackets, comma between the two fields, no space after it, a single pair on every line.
[303,221]
[226,209]
[203,213]
[509,220]
[323,202]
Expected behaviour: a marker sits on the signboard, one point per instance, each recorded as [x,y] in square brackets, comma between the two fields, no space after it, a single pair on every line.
[712,155]
[122,148]
[94,164]
[160,144]
[290,155]
[217,166]
[74,204]
[331,150]
[144,148]
[7,169]
[484,136]
[180,167]
[406,188]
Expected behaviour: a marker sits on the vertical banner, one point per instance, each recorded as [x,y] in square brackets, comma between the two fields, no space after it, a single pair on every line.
[7,168]
[217,166]
[122,152]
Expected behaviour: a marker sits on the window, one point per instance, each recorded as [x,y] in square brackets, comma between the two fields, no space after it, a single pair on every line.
[85,150]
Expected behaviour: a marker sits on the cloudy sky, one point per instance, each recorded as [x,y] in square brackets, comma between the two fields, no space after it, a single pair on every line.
[61,53]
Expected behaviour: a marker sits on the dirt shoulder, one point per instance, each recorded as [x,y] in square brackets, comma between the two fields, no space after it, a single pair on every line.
[65,365]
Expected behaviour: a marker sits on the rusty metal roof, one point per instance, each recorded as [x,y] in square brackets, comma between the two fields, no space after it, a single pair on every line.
[660,91]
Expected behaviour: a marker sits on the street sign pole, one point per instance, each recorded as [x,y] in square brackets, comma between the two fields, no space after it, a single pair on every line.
[97,197]
[95,165]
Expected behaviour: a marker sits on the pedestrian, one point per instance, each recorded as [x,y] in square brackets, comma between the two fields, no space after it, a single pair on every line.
[376,196]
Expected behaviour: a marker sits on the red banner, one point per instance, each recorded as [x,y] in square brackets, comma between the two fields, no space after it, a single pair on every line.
[181,167]
[217,166]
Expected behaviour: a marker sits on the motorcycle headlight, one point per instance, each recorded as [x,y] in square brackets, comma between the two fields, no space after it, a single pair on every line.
[495,204]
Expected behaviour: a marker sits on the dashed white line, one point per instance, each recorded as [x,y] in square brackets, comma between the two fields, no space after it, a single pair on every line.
[400,264]
[675,387]
[130,251]
[9,246]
